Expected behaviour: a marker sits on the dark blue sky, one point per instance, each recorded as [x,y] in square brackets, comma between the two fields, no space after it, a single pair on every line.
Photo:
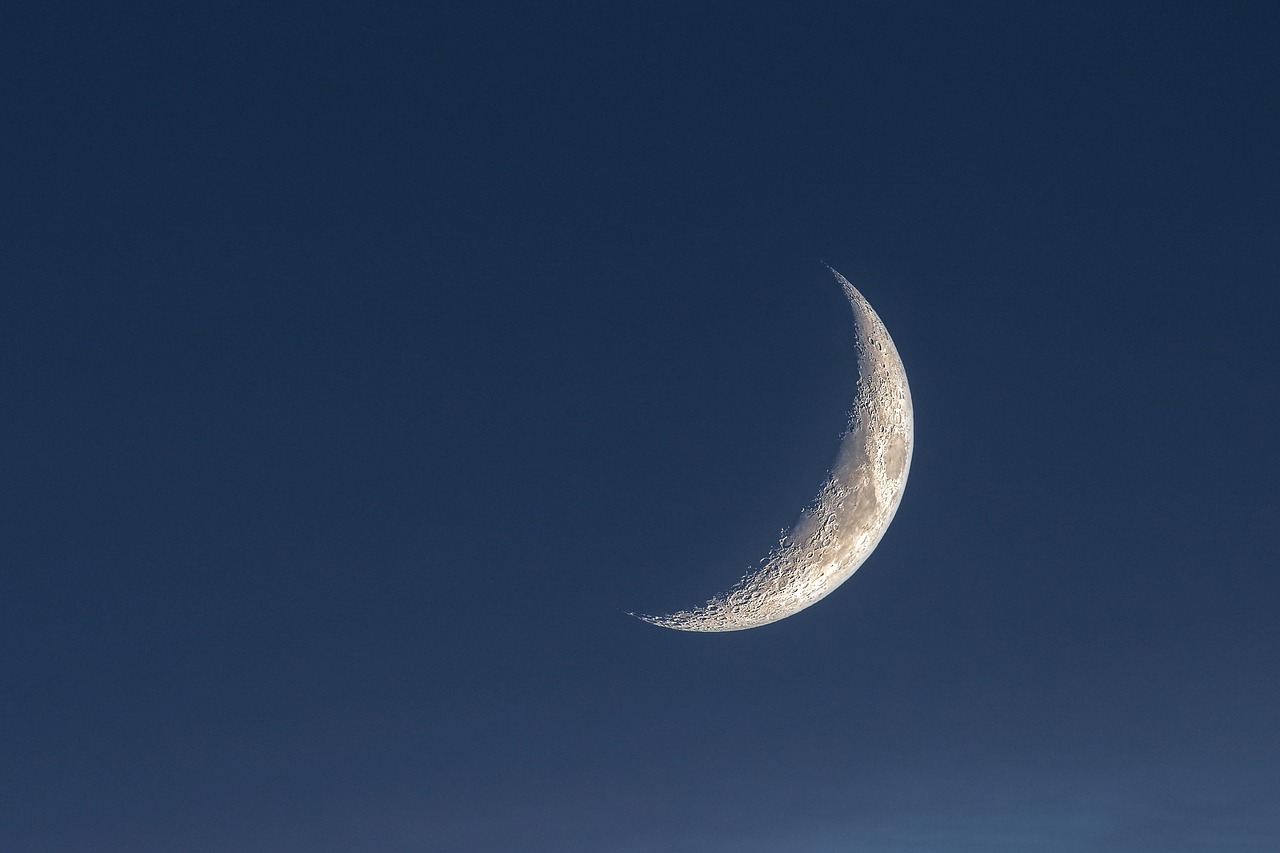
[362,366]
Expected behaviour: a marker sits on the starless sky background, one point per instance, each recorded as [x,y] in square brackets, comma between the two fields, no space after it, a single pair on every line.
[364,364]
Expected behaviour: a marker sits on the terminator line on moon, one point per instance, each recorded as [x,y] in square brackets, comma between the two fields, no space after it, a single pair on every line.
[847,519]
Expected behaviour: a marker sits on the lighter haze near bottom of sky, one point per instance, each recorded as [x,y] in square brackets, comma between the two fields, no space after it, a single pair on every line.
[1143,760]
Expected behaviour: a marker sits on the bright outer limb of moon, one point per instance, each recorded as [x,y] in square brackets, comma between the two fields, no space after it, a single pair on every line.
[847,519]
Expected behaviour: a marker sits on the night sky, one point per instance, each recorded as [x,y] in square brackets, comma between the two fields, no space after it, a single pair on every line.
[364,365]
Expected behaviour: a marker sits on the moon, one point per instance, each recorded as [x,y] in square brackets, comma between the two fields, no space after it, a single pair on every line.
[853,509]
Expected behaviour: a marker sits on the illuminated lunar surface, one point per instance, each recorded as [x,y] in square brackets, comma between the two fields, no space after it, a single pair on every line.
[837,533]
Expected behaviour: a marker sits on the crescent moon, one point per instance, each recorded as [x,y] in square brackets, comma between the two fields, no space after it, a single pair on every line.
[853,509]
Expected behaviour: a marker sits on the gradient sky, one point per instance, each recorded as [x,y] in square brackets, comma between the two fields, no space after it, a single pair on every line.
[363,365]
